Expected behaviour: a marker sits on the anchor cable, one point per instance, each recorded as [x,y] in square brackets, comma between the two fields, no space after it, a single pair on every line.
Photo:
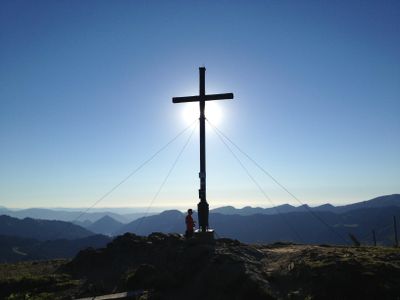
[166,178]
[279,184]
[260,188]
[137,169]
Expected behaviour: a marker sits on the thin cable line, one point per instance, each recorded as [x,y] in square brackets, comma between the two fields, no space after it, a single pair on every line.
[130,174]
[260,188]
[279,184]
[166,178]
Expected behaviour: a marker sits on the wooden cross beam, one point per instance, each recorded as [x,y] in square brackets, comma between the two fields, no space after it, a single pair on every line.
[206,98]
[202,206]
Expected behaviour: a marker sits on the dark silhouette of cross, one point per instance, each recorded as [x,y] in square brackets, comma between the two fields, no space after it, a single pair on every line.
[202,206]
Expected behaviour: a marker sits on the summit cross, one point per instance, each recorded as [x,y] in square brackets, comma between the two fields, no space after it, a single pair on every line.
[202,206]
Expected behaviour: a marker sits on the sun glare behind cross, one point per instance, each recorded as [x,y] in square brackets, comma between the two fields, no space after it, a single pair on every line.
[213,112]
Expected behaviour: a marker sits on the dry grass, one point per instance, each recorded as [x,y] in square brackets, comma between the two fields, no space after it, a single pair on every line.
[37,280]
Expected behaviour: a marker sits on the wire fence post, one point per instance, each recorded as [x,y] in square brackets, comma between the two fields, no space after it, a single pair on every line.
[374,237]
[396,241]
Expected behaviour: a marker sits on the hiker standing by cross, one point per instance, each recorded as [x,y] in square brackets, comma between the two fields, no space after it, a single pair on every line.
[202,206]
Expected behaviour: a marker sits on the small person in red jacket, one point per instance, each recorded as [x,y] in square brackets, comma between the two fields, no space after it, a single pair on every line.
[190,223]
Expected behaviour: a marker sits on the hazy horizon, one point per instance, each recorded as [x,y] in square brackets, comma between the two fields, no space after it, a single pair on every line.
[157,209]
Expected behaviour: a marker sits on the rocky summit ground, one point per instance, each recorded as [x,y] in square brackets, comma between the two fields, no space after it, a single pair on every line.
[164,266]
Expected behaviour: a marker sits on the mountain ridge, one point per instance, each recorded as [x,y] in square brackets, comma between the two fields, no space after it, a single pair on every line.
[106,225]
[317,227]
[67,216]
[385,200]
[41,229]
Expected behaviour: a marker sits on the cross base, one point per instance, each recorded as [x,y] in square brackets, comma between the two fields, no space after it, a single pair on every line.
[203,211]
[204,237]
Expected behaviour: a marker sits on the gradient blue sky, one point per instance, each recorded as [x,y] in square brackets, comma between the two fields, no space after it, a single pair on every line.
[86,87]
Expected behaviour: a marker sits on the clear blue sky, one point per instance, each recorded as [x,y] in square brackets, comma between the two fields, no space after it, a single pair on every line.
[86,88]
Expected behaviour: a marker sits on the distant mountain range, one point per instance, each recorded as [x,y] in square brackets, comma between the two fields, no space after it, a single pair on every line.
[68,216]
[106,225]
[302,227]
[87,219]
[35,239]
[41,229]
[298,227]
[382,201]
[30,239]
[167,222]
[325,224]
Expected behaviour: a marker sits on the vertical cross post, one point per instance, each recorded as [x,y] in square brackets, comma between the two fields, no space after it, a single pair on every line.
[202,206]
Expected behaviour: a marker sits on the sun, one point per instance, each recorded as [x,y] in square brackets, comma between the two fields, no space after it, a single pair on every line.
[191,112]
